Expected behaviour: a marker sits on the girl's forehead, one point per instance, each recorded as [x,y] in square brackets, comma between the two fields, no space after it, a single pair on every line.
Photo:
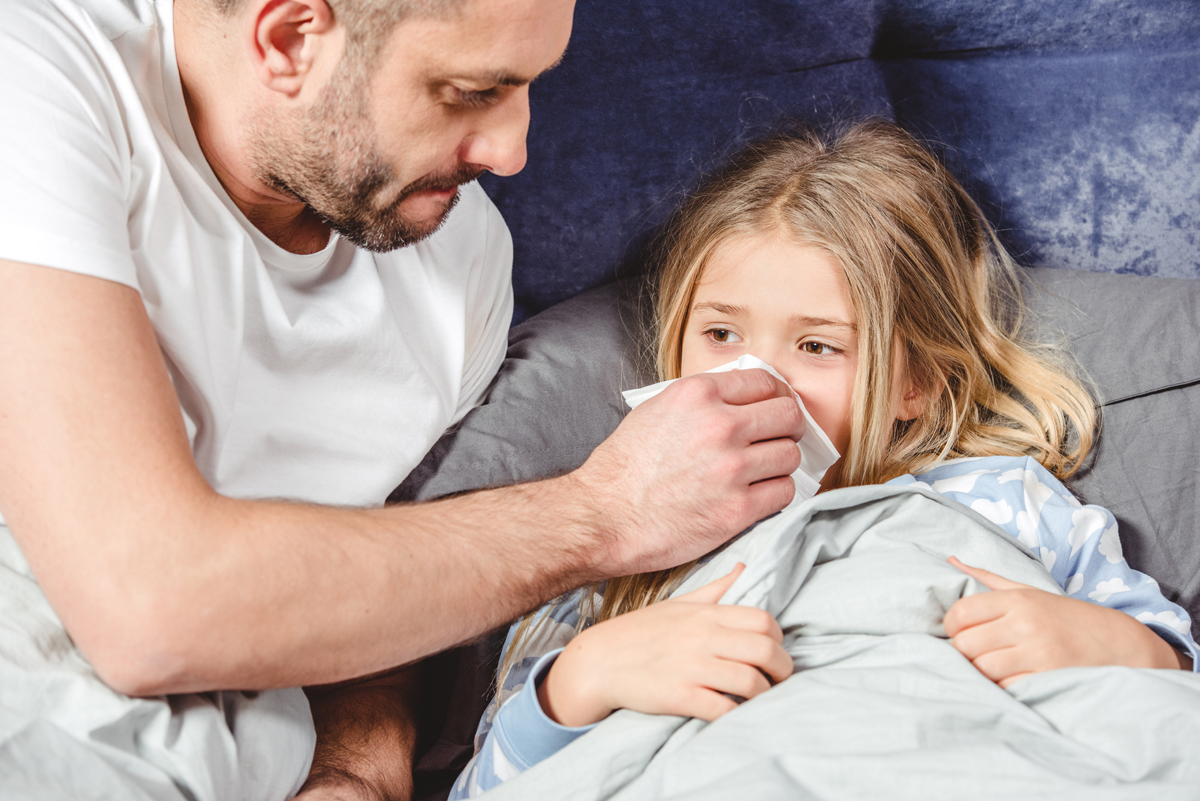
[771,261]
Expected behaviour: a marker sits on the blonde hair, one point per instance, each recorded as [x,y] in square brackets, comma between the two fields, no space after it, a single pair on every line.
[923,269]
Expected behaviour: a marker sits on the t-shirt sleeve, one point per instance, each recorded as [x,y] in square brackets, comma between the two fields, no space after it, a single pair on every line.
[490,307]
[64,152]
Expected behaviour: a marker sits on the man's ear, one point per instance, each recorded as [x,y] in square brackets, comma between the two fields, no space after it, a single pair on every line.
[287,37]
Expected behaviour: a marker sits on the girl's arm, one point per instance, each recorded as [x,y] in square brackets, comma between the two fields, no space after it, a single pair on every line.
[677,657]
[1016,629]
[683,656]
[520,736]
[496,758]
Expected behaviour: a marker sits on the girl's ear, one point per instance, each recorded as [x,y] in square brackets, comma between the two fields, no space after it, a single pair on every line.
[913,397]
[913,402]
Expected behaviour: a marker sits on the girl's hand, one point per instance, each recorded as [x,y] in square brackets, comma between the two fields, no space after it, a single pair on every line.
[670,658]
[1016,630]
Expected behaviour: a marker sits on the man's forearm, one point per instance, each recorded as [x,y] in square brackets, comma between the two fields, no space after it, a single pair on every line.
[321,595]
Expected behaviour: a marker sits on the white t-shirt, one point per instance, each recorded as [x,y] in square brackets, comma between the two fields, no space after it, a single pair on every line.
[322,377]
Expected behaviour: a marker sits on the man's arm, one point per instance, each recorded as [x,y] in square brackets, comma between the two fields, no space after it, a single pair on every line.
[167,586]
[366,738]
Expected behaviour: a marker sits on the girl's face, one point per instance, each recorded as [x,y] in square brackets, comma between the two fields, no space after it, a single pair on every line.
[787,304]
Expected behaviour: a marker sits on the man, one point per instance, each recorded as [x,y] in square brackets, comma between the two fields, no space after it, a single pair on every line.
[242,210]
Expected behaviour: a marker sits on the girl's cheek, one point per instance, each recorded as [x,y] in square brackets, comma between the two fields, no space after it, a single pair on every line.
[696,357]
[832,413]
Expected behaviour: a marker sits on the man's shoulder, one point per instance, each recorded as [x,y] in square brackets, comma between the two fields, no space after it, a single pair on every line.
[90,19]
[68,53]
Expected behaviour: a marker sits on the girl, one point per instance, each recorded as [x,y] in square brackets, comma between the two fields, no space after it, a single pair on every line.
[859,269]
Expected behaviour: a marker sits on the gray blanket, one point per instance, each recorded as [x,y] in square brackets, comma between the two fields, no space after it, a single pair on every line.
[881,705]
[64,735]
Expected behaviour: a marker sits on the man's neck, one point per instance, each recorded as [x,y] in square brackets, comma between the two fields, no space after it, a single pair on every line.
[217,99]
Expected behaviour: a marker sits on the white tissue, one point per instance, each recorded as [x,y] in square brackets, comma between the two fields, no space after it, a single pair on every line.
[817,453]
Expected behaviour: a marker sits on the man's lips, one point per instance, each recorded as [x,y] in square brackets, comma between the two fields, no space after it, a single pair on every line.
[437,194]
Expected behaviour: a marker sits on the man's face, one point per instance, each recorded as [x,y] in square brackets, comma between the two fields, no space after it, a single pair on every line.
[379,156]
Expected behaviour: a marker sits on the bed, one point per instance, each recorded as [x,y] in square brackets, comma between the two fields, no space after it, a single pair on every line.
[1075,124]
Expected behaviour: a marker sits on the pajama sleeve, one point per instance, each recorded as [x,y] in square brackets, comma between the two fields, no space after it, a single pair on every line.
[514,733]
[521,735]
[1079,545]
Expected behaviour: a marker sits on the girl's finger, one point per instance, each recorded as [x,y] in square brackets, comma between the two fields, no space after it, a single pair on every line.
[985,577]
[755,650]
[976,641]
[749,619]
[974,610]
[1003,664]
[705,704]
[1011,680]
[711,593]
[736,679]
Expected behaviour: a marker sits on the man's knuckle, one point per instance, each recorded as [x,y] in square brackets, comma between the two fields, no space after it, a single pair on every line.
[690,390]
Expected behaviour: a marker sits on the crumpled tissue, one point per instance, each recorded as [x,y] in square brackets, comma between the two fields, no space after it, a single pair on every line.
[817,453]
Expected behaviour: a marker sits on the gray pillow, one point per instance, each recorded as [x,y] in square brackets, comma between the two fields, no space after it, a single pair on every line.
[558,396]
[1138,339]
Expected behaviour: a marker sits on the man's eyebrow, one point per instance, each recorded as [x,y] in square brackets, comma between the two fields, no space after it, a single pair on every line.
[503,77]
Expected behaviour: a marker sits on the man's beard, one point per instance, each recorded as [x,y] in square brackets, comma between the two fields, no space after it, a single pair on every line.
[337,170]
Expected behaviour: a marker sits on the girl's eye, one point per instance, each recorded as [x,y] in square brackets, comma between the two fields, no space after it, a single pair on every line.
[818,349]
[722,335]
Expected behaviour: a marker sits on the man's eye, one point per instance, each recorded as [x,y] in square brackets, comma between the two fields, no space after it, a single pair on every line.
[476,98]
[722,335]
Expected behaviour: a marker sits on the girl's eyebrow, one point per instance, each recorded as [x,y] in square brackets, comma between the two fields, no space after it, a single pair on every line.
[719,308]
[800,320]
[813,322]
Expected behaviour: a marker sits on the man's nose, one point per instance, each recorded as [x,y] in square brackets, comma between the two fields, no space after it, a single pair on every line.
[498,144]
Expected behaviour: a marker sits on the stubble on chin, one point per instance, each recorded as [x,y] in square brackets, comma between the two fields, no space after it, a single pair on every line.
[327,157]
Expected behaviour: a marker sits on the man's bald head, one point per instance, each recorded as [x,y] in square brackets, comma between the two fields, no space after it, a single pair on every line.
[368,23]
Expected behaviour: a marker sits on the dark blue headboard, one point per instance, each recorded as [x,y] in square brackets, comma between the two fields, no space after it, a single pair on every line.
[1075,123]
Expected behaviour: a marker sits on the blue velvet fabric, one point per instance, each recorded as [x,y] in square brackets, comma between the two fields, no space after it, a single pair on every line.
[1075,123]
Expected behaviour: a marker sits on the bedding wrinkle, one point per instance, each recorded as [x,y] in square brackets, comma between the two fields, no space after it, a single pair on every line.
[881,704]
[62,727]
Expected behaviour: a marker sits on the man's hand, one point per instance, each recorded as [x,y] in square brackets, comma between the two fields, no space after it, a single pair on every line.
[677,657]
[695,465]
[1015,630]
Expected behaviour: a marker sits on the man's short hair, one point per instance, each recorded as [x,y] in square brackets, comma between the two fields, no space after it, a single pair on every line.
[369,23]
